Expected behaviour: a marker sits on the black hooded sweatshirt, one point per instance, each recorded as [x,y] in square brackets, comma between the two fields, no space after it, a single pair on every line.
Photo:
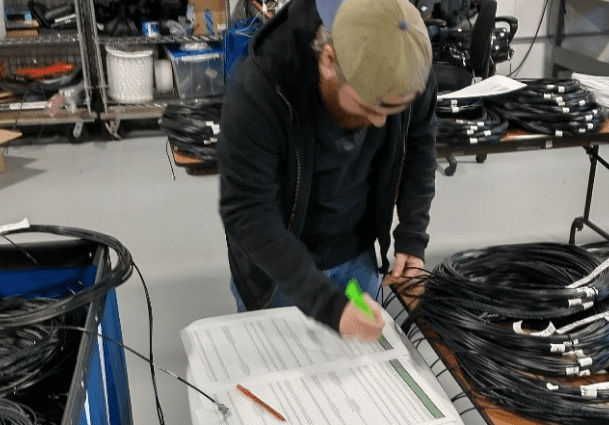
[266,162]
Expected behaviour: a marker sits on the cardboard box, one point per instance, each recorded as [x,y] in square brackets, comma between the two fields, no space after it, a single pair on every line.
[5,136]
[217,11]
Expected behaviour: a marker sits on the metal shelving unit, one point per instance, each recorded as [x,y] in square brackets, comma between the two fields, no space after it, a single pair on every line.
[50,46]
[113,112]
[564,59]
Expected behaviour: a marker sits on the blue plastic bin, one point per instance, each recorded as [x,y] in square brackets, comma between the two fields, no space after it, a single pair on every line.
[236,41]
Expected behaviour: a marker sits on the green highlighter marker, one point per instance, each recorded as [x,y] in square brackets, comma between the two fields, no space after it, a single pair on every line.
[355,294]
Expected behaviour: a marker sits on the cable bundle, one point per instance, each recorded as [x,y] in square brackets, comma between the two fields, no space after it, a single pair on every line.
[119,274]
[467,121]
[35,341]
[527,323]
[193,129]
[30,354]
[551,106]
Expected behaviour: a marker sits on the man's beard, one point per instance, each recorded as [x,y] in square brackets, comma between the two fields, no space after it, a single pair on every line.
[329,95]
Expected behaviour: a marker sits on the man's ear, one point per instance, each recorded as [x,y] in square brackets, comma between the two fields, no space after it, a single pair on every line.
[328,63]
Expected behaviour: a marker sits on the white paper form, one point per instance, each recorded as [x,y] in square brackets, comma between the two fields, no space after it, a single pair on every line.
[309,374]
[492,86]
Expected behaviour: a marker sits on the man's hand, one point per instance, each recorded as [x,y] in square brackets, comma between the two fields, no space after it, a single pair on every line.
[405,269]
[353,322]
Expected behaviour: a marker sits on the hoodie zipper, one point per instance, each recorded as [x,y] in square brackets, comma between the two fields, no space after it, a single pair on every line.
[298,164]
[296,189]
[401,165]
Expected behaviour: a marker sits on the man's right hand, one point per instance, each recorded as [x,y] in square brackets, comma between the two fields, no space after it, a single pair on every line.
[353,322]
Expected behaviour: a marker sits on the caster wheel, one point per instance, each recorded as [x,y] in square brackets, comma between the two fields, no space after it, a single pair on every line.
[78,133]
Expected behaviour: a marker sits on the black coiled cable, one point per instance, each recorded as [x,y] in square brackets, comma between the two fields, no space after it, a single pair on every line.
[12,413]
[117,275]
[516,324]
[193,129]
[468,122]
[559,107]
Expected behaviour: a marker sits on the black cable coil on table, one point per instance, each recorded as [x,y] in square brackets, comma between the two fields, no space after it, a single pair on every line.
[560,107]
[527,324]
[193,129]
[467,121]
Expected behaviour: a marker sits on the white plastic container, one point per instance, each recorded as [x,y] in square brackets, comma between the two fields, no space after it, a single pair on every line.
[197,73]
[130,74]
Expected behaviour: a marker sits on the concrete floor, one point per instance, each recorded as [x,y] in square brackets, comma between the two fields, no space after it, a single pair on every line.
[173,230]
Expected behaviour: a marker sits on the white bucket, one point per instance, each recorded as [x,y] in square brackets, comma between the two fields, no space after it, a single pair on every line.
[130,74]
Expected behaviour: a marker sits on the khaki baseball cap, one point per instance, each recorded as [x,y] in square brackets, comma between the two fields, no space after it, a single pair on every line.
[382,46]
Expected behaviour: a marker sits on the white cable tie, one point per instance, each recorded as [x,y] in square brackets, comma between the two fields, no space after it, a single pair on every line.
[460,121]
[23,224]
[588,392]
[589,117]
[487,133]
[590,126]
[598,385]
[473,140]
[582,102]
[565,110]
[575,301]
[517,326]
[561,89]
[558,133]
[557,348]
[455,109]
[454,102]
[560,103]
[585,372]
[547,96]
[597,271]
[577,353]
[585,361]
[560,100]
[480,123]
[572,370]
[581,130]
[588,305]
[550,86]
[470,132]
[552,387]
[579,323]
[590,292]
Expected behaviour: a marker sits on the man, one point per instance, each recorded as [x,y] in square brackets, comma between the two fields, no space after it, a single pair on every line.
[325,129]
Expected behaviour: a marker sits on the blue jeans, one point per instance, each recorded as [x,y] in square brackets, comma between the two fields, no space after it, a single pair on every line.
[364,268]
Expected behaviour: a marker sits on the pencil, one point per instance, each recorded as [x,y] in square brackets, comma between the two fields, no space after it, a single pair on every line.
[260,402]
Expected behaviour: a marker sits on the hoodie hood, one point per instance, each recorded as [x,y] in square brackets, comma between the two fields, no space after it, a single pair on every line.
[282,49]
